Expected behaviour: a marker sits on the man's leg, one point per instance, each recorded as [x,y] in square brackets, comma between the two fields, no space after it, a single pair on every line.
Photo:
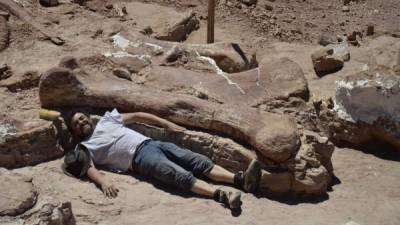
[152,162]
[202,188]
[220,174]
[200,165]
[229,199]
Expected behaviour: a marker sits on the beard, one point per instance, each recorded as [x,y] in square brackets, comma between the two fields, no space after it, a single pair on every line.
[87,130]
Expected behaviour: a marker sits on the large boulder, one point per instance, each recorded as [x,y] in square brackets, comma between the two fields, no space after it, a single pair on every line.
[375,102]
[24,143]
[17,193]
[365,109]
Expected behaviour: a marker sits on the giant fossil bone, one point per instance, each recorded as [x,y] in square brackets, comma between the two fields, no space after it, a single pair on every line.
[132,46]
[274,136]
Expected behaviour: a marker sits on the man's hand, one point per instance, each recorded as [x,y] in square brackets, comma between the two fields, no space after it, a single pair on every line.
[109,190]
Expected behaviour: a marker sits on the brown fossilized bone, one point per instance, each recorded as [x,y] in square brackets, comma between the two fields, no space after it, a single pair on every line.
[22,14]
[274,136]
[132,46]
[274,79]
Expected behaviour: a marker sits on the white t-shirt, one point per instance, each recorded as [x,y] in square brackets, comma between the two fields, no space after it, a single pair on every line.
[112,144]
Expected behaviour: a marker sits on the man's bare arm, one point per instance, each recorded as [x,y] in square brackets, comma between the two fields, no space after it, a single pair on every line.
[107,187]
[146,118]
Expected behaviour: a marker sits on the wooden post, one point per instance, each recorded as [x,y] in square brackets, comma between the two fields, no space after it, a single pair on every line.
[210,21]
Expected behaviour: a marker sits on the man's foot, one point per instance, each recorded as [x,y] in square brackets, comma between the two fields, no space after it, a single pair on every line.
[228,199]
[252,176]
[250,179]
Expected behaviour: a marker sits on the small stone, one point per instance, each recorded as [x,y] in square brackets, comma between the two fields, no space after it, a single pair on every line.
[69,62]
[345,9]
[325,40]
[122,73]
[49,3]
[354,38]
[326,62]
[5,14]
[370,30]
[5,72]
[147,30]
[109,6]
[249,2]
[268,7]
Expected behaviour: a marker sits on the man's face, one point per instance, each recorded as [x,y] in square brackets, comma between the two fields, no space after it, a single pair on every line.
[81,125]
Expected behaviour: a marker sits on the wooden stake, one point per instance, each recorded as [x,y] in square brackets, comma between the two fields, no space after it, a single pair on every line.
[210,21]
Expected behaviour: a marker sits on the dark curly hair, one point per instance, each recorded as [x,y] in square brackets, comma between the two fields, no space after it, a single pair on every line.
[70,114]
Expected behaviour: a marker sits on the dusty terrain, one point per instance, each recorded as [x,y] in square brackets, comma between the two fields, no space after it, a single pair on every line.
[368,190]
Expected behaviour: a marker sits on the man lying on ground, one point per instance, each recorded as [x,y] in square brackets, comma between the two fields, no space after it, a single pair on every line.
[111,144]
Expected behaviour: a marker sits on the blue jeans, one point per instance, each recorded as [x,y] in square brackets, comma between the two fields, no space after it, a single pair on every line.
[171,164]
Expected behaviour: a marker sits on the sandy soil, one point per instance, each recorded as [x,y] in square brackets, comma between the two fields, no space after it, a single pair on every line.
[369,189]
[367,194]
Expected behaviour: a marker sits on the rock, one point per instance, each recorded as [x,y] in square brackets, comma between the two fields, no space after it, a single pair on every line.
[313,170]
[325,61]
[325,40]
[49,3]
[341,50]
[27,80]
[80,2]
[166,24]
[5,14]
[382,55]
[4,33]
[321,148]
[345,9]
[24,143]
[122,73]
[313,181]
[268,6]
[5,72]
[374,103]
[249,2]
[17,193]
[351,223]
[370,30]
[276,184]
[69,62]
[354,38]
[52,214]
[132,63]
[284,77]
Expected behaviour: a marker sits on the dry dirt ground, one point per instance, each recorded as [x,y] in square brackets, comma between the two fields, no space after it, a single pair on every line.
[369,189]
